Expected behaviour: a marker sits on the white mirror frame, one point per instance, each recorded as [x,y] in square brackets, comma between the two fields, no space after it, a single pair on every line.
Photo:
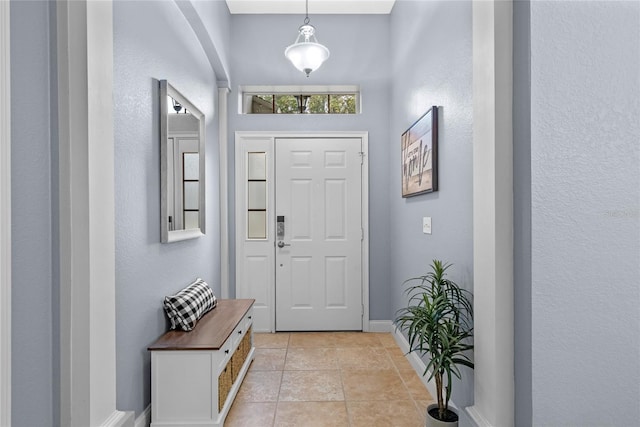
[167,235]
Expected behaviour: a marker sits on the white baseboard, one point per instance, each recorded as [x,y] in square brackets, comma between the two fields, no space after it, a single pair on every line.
[477,417]
[144,420]
[380,326]
[120,419]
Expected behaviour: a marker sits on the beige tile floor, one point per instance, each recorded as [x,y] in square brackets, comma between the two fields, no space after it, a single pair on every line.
[313,379]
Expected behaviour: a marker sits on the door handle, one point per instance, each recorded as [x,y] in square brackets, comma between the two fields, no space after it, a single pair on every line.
[282,244]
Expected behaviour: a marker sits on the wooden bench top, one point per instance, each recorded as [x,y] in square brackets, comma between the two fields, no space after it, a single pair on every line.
[211,331]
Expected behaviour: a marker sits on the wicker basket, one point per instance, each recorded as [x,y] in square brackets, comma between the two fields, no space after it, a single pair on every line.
[240,355]
[237,360]
[247,343]
[225,382]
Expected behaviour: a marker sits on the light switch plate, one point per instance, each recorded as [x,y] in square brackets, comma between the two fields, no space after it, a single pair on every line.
[426,225]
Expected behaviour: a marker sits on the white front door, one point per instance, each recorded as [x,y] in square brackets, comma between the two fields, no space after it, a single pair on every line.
[319,234]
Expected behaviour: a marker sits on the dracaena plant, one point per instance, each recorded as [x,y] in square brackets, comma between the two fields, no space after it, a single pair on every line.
[438,321]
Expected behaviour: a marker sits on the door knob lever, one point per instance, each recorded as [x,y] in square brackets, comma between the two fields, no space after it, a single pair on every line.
[282,244]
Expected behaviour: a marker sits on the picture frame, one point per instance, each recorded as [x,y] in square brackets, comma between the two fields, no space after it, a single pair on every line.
[419,155]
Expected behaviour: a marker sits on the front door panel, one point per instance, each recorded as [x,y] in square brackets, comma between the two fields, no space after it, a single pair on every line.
[319,257]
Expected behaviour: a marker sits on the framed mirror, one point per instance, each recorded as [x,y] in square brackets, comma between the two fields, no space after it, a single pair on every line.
[182,166]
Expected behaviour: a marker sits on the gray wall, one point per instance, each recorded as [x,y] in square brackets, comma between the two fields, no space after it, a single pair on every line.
[432,65]
[359,46]
[585,201]
[153,41]
[522,211]
[32,333]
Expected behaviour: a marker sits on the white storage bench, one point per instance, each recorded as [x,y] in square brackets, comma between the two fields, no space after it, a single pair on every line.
[196,375]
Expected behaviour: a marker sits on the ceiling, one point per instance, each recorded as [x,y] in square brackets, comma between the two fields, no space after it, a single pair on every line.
[315,6]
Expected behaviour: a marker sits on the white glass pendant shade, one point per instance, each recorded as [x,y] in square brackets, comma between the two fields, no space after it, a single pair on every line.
[306,54]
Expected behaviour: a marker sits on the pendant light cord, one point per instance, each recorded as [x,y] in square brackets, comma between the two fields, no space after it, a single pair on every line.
[306,19]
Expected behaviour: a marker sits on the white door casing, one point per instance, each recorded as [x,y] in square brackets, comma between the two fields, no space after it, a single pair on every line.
[318,259]
[255,259]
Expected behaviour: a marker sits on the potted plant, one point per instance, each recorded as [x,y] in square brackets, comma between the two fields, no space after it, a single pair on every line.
[439,323]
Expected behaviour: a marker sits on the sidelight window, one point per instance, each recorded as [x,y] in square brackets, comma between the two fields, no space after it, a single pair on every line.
[256,195]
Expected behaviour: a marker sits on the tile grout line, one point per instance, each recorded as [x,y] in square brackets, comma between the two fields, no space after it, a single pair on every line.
[413,400]
[344,393]
[284,364]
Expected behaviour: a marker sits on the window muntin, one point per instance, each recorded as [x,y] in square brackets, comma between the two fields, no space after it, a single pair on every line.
[256,191]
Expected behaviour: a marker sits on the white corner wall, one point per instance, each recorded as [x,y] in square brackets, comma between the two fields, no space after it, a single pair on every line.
[87,216]
[493,213]
[5,217]
[585,173]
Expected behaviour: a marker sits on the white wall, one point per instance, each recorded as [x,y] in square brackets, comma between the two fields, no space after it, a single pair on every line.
[585,185]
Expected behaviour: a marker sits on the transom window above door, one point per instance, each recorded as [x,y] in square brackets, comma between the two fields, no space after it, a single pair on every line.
[300,100]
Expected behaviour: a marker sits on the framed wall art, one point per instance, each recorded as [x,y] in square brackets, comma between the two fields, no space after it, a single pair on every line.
[420,155]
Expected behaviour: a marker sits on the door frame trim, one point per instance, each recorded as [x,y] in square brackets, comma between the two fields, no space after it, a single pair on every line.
[364,136]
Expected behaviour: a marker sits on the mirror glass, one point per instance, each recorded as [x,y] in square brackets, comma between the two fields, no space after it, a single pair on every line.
[182,166]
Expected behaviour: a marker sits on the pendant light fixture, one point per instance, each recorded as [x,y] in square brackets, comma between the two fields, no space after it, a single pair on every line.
[306,54]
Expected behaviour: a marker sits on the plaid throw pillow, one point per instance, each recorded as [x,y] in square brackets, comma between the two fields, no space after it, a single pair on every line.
[185,308]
